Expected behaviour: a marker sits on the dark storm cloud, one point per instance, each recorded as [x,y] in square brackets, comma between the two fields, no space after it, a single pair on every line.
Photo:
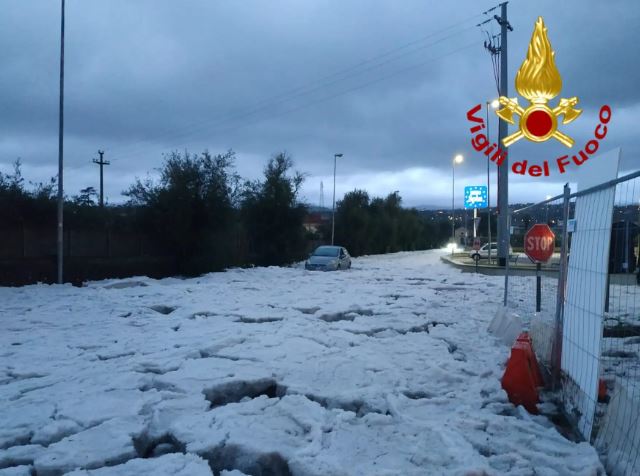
[145,77]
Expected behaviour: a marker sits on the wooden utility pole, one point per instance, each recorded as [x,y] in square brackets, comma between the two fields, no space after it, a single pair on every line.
[101,163]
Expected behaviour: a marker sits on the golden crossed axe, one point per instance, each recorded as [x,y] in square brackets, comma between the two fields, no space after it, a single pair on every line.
[565,107]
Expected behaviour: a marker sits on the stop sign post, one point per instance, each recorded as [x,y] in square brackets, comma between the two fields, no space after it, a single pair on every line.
[539,243]
[476,246]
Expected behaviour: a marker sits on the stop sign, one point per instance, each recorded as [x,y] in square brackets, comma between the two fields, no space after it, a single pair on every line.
[539,243]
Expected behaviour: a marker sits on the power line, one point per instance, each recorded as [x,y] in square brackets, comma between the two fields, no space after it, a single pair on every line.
[204,125]
[320,84]
[349,90]
[492,45]
[356,88]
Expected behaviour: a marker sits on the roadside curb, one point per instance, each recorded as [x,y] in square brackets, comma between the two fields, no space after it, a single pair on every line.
[496,271]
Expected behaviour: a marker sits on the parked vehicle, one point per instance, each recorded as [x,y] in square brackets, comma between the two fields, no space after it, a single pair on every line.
[328,258]
[483,252]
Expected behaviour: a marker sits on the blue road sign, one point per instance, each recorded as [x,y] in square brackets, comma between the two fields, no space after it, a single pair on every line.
[475,196]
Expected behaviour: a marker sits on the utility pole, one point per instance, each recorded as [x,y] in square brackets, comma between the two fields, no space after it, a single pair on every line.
[61,155]
[488,194]
[503,169]
[101,163]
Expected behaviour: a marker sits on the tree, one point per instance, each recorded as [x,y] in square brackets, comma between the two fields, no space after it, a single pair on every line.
[12,185]
[20,204]
[192,201]
[381,225]
[272,215]
[353,222]
[86,198]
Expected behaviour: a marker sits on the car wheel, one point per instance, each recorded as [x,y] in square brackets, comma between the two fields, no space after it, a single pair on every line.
[476,257]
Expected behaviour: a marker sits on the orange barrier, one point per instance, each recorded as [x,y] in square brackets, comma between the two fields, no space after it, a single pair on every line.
[522,377]
[535,368]
[602,390]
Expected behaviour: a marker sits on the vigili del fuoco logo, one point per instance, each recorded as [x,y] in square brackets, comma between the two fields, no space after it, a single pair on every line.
[539,81]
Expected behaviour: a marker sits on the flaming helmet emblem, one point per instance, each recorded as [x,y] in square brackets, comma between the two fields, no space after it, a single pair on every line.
[539,81]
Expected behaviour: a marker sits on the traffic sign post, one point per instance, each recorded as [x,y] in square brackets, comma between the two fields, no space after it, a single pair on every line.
[539,243]
[538,287]
[475,222]
[475,196]
[476,246]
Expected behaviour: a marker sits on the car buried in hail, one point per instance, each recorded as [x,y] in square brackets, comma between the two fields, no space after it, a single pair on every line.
[328,258]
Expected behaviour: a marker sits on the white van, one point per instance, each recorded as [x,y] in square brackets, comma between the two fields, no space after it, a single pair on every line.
[483,253]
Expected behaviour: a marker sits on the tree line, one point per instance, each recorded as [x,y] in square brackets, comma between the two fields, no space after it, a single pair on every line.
[201,211]
[377,225]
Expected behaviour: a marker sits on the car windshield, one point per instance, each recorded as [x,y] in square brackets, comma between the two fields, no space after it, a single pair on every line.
[326,251]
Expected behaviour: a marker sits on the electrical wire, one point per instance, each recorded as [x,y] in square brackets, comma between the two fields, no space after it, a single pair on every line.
[339,76]
[346,91]
[493,46]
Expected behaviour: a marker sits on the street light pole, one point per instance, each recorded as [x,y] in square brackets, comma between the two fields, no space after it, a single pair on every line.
[60,154]
[453,215]
[456,160]
[333,207]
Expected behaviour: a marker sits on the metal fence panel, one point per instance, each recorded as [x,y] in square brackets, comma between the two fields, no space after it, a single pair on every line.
[617,425]
[585,304]
[600,310]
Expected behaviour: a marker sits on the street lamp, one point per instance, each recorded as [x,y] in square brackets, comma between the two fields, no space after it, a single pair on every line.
[458,159]
[495,104]
[333,207]
[60,231]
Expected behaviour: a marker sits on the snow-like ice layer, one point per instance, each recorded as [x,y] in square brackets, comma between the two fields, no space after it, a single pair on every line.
[105,444]
[22,470]
[175,464]
[384,369]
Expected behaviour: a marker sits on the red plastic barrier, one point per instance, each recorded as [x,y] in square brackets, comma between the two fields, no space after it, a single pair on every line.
[522,375]
[602,390]
[535,368]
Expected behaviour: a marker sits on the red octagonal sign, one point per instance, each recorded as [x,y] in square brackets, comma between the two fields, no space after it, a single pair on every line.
[539,243]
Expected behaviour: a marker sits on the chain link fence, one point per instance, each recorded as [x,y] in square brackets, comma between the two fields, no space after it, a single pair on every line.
[586,330]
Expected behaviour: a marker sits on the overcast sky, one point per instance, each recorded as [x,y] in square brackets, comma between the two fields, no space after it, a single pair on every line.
[386,83]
